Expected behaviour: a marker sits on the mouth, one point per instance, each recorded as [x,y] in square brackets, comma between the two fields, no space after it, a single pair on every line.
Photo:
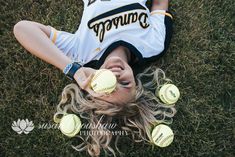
[114,63]
[118,67]
[117,64]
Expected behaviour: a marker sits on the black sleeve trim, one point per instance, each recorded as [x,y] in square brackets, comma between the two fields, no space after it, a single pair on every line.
[169,30]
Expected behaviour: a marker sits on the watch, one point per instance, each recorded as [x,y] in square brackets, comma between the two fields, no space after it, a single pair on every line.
[71,69]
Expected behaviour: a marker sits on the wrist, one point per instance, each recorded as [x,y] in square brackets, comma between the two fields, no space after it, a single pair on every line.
[71,69]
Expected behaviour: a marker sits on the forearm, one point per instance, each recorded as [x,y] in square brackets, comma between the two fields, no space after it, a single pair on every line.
[38,43]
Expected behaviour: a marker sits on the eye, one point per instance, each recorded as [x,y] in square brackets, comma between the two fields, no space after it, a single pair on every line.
[124,83]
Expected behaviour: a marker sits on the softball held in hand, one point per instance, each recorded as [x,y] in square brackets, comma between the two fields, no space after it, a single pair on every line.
[104,81]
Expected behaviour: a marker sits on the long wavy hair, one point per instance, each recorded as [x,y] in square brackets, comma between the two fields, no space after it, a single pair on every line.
[136,118]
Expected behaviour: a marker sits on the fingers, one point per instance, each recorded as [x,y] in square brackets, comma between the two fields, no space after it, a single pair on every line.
[84,79]
[88,87]
[94,94]
[86,83]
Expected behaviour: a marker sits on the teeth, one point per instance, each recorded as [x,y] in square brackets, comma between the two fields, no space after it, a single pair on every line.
[116,67]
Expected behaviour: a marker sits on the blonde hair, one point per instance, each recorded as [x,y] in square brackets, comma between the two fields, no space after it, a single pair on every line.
[137,118]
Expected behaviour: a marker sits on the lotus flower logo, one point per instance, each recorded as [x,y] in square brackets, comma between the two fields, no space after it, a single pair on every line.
[22,126]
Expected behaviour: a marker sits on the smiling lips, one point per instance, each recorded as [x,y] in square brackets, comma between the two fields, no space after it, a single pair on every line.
[116,67]
[115,63]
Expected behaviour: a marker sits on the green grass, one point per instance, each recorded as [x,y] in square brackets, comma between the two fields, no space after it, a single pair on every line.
[201,61]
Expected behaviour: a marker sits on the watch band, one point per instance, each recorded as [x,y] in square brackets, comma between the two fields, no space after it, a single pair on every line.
[75,66]
[67,68]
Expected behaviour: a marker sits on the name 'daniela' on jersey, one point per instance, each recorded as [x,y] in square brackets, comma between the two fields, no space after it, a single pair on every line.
[100,27]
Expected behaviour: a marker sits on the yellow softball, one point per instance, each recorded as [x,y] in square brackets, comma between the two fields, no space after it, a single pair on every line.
[168,93]
[104,81]
[162,135]
[70,125]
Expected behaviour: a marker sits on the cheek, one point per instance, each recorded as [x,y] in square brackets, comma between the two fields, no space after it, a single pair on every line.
[129,73]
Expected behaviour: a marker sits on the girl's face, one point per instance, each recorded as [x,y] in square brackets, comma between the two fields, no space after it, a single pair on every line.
[125,90]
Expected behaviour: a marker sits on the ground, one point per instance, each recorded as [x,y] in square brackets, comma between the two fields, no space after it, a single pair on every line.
[200,61]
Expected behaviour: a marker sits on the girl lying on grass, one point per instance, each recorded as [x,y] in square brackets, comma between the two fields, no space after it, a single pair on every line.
[118,36]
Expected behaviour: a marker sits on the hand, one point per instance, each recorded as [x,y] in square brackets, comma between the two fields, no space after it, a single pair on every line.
[160,5]
[83,77]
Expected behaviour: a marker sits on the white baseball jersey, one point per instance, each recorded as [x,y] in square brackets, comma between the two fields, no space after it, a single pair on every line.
[107,24]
